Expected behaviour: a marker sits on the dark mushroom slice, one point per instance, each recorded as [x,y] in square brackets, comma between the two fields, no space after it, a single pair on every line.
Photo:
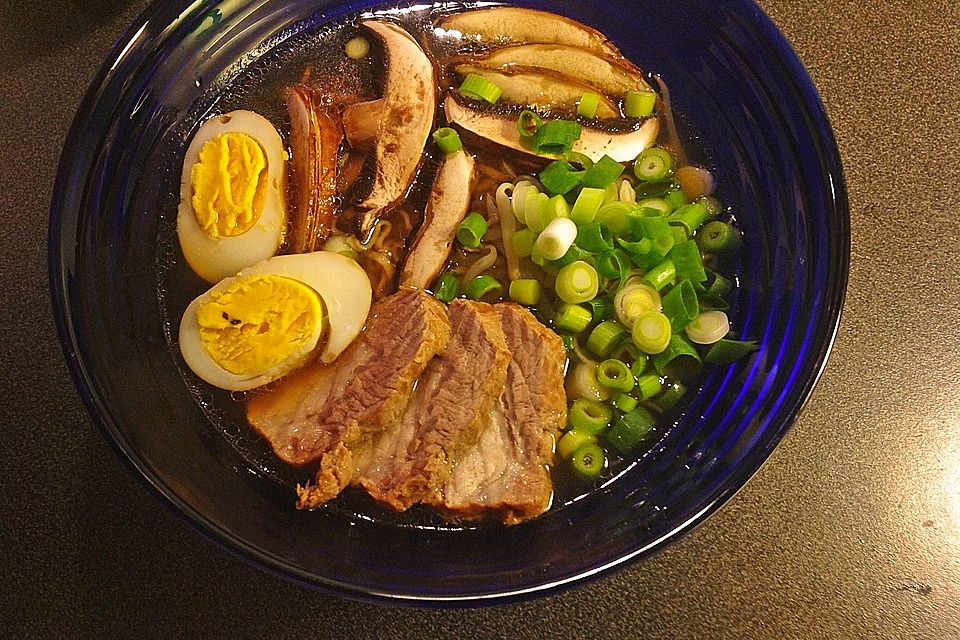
[516,24]
[447,205]
[613,76]
[543,89]
[622,146]
[315,136]
[405,119]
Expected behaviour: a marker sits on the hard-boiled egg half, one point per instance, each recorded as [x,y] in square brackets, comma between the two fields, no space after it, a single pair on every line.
[273,317]
[232,195]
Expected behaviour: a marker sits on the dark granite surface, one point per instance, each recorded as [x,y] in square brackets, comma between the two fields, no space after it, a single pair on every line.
[851,530]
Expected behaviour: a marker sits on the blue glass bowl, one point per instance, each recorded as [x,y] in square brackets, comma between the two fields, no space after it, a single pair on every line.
[740,88]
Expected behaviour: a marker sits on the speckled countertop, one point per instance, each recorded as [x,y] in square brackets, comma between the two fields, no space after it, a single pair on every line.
[850,530]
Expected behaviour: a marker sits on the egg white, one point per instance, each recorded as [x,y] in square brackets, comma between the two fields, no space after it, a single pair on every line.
[216,258]
[339,281]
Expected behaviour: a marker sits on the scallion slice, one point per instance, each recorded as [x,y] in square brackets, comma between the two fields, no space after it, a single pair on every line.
[587,106]
[661,275]
[559,177]
[613,215]
[639,365]
[523,242]
[528,123]
[471,230]
[526,291]
[639,104]
[557,238]
[708,327]
[670,396]
[651,332]
[602,173]
[686,258]
[659,204]
[648,386]
[605,337]
[448,140]
[447,287]
[653,165]
[691,216]
[586,206]
[615,265]
[615,375]
[556,137]
[571,441]
[584,384]
[577,282]
[481,286]
[572,318]
[601,308]
[675,198]
[630,430]
[594,237]
[719,238]
[587,462]
[589,416]
[633,299]
[480,88]
[679,360]
[726,351]
[680,305]
[625,403]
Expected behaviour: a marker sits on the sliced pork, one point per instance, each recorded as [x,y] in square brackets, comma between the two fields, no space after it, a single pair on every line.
[506,475]
[453,400]
[331,413]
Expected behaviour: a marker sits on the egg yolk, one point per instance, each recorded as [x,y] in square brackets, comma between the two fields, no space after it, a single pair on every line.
[259,323]
[229,184]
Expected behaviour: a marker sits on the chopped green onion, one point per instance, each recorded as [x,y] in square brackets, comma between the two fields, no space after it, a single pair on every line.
[526,291]
[584,384]
[679,360]
[594,237]
[714,206]
[548,209]
[579,158]
[481,286]
[717,284]
[357,48]
[557,238]
[680,305]
[571,441]
[447,287]
[523,242]
[587,462]
[686,259]
[659,204]
[573,254]
[661,275]
[679,234]
[653,165]
[630,430]
[657,229]
[556,137]
[614,264]
[718,237]
[670,396]
[480,88]
[726,351]
[559,177]
[572,318]
[639,366]
[528,123]
[577,282]
[634,299]
[587,106]
[675,198]
[589,416]
[602,173]
[695,181]
[448,140]
[651,332]
[648,386]
[601,308]
[533,203]
[605,337]
[708,327]
[625,403]
[471,230]
[613,215]
[537,258]
[691,216]
[569,342]
[586,206]
[639,104]
[615,375]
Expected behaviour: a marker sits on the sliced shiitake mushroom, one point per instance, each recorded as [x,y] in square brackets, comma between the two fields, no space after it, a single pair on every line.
[611,75]
[539,88]
[622,146]
[404,115]
[446,207]
[517,24]
[315,136]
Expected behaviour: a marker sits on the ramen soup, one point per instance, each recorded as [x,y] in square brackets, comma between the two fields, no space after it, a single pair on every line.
[455,262]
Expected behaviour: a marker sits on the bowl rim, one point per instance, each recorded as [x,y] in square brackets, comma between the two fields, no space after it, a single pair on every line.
[58,268]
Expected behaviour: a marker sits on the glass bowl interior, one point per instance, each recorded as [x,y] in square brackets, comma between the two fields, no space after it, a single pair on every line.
[116,273]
